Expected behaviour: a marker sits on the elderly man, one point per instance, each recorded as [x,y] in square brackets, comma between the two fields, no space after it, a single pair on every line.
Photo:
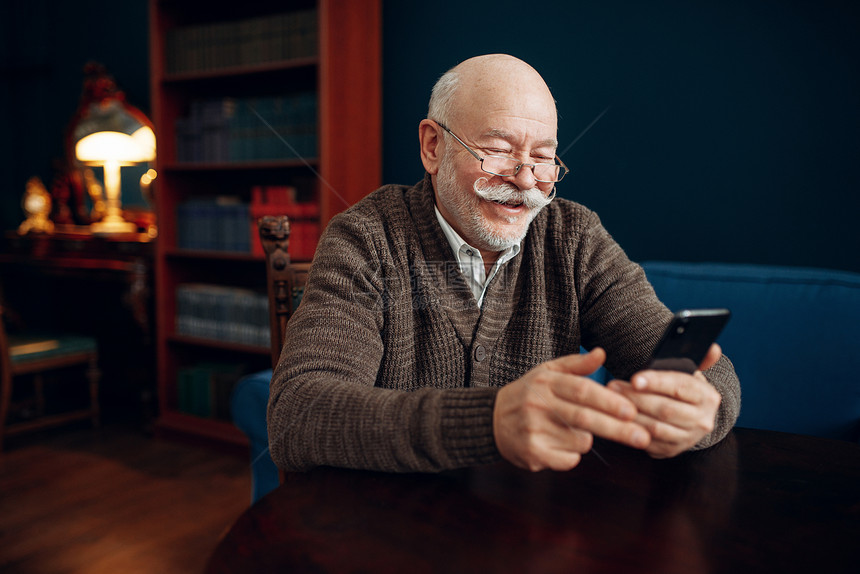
[441,323]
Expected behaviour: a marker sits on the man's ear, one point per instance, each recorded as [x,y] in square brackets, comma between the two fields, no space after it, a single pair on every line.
[429,136]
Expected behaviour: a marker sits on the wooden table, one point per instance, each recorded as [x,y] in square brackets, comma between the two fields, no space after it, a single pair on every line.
[760,501]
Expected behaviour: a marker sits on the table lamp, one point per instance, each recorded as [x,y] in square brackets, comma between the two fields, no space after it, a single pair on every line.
[108,132]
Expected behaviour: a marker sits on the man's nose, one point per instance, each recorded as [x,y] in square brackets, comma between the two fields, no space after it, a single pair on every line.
[524,178]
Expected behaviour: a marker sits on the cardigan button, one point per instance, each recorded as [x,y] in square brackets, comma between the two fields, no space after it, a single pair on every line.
[480,353]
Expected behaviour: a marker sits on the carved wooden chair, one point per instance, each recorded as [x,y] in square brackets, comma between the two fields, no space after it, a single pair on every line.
[280,277]
[26,355]
[251,395]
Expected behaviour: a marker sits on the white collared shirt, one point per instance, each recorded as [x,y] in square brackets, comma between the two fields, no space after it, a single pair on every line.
[470,260]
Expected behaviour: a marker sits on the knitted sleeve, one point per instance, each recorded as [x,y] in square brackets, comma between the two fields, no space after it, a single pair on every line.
[620,312]
[325,407]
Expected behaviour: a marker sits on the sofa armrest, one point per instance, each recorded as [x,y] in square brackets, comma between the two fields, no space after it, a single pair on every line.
[248,408]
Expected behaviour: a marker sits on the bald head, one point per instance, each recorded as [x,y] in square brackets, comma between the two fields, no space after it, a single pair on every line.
[493,83]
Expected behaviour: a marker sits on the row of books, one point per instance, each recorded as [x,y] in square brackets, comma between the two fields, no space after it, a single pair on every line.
[227,224]
[236,43]
[288,199]
[214,224]
[248,129]
[204,389]
[223,313]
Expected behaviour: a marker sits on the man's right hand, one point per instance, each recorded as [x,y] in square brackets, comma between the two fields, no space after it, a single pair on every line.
[549,416]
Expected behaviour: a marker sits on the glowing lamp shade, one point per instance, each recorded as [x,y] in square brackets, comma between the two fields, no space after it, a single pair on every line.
[103,147]
[112,134]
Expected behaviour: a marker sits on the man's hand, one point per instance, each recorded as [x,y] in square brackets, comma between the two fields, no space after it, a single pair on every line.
[548,417]
[677,409]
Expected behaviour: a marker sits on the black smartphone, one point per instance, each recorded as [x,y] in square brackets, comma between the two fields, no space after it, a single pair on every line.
[686,340]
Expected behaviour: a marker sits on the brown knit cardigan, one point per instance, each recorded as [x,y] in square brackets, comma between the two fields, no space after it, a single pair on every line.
[390,365]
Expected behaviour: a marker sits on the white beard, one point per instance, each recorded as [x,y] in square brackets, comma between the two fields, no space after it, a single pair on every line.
[464,207]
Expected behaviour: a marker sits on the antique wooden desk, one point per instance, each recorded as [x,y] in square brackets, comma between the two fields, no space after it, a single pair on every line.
[74,252]
[760,501]
[74,281]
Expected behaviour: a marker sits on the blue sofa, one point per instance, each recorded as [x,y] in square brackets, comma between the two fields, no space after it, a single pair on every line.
[794,339]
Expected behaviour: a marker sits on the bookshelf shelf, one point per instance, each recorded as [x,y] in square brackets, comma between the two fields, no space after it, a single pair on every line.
[236,72]
[222,158]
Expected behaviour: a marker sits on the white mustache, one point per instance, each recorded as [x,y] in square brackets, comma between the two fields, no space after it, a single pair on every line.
[506,193]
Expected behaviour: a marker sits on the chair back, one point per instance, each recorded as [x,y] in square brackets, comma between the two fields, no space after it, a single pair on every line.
[251,394]
[280,277]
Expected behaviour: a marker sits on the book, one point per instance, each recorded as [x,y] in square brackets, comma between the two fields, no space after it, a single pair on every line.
[223,313]
[224,130]
[247,42]
[213,224]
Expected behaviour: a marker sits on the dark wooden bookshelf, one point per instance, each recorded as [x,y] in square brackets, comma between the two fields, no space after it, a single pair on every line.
[234,72]
[344,73]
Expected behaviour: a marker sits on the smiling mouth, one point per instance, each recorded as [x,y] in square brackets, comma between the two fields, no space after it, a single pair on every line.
[512,203]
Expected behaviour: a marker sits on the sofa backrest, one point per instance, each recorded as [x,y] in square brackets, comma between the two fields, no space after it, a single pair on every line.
[794,338]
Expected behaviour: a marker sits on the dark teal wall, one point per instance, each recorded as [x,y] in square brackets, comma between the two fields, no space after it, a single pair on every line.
[731,132]
[731,129]
[44,45]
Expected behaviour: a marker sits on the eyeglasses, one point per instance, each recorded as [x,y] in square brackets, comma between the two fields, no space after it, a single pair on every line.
[505,166]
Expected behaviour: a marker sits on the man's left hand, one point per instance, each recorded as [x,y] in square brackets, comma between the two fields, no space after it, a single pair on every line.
[676,408]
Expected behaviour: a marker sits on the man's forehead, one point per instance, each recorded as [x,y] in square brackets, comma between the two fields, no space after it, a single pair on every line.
[507,111]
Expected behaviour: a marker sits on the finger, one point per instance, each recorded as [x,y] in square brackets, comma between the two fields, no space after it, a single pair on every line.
[587,393]
[560,461]
[582,364]
[666,439]
[559,450]
[601,424]
[546,429]
[535,438]
[548,455]
[567,440]
[714,354]
[681,386]
[662,408]
[674,426]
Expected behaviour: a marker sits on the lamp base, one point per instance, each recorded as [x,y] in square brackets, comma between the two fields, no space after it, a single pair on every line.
[109,226]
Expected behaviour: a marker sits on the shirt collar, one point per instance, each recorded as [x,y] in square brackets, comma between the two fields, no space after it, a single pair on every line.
[458,243]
